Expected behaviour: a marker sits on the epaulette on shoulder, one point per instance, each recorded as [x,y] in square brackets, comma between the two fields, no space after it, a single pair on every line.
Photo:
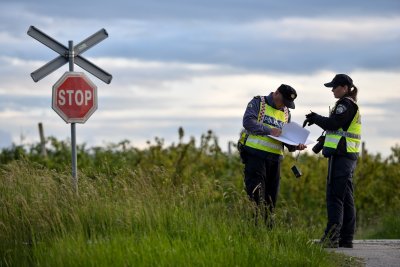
[347,100]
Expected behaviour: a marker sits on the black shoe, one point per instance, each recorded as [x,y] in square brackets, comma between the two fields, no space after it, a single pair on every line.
[345,244]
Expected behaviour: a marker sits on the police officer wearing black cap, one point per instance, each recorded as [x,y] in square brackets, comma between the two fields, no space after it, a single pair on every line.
[341,146]
[261,155]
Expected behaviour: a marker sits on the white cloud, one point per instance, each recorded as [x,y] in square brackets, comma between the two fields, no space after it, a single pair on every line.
[8,39]
[205,98]
[127,64]
[351,29]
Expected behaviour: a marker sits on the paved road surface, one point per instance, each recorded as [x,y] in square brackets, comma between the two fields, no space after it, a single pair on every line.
[375,253]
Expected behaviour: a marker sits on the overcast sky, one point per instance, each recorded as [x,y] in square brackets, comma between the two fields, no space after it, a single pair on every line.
[197,64]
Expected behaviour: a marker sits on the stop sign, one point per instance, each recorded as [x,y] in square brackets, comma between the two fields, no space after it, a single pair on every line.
[74,97]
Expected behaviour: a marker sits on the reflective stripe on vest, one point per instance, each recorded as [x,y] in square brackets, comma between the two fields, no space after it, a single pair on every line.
[273,118]
[345,134]
[265,144]
[352,136]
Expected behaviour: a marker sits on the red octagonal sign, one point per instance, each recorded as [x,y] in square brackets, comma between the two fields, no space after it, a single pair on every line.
[74,97]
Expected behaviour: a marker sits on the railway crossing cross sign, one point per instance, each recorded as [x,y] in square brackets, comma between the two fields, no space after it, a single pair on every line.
[65,53]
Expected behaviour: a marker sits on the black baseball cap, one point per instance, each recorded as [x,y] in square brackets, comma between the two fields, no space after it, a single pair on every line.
[289,95]
[340,79]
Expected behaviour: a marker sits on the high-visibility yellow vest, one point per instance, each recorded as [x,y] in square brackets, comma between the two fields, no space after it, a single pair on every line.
[352,136]
[272,118]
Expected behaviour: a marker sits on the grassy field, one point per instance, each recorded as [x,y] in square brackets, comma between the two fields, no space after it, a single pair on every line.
[140,220]
[182,205]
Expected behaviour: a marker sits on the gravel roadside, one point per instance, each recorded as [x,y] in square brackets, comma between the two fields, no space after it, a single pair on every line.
[375,253]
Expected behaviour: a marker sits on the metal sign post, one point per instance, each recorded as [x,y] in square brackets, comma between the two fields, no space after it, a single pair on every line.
[74,157]
[71,54]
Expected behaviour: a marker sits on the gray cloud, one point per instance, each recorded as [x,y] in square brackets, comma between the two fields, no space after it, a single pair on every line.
[232,10]
[206,32]
[228,46]
[23,102]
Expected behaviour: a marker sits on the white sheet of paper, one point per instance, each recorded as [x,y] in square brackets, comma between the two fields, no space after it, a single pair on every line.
[293,134]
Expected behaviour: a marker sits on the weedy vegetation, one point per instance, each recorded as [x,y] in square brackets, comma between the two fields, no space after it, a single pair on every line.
[176,205]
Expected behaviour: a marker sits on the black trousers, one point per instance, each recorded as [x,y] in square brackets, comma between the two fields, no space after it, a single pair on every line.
[261,177]
[340,200]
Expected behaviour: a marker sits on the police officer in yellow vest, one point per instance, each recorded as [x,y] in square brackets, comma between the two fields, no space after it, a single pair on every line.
[341,146]
[265,115]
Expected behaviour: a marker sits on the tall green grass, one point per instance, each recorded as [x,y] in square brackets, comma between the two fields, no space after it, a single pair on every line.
[173,206]
[138,219]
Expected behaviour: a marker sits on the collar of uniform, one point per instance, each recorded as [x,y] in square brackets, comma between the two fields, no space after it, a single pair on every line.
[270,101]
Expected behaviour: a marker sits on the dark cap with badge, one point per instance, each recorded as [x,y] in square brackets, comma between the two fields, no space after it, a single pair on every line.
[289,95]
[340,80]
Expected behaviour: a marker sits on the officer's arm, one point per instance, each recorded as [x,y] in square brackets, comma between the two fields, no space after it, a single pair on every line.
[344,111]
[250,117]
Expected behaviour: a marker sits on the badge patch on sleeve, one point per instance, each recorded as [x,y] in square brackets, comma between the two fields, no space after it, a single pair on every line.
[340,109]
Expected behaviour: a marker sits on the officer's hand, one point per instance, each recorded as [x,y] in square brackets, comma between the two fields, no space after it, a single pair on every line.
[301,147]
[310,117]
[276,132]
[307,121]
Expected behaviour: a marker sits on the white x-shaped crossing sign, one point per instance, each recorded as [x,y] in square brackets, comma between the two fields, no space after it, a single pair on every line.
[64,52]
